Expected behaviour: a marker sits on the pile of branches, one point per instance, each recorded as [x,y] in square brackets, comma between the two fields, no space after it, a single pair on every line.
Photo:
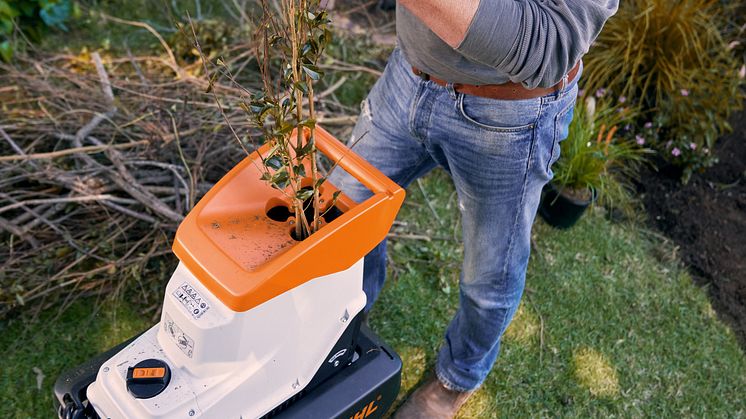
[98,165]
[102,157]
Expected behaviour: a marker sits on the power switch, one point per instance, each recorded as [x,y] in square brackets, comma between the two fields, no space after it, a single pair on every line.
[148,378]
[148,373]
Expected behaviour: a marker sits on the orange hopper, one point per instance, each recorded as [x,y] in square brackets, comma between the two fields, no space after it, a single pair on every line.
[245,258]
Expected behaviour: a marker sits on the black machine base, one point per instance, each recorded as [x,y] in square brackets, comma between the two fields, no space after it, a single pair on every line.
[364,389]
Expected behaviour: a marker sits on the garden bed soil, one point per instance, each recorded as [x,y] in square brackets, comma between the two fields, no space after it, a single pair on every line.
[706,218]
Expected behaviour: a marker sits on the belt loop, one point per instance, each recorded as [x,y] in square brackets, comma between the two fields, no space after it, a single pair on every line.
[563,84]
[451,90]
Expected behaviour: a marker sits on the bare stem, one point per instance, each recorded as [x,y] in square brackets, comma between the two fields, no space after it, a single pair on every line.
[314,168]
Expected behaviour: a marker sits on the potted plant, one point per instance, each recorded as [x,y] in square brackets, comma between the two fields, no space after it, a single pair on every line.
[596,161]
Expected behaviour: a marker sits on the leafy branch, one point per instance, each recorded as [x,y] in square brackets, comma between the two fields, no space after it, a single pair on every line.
[289,42]
[296,37]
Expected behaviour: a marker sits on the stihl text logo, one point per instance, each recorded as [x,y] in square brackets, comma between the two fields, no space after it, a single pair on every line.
[367,410]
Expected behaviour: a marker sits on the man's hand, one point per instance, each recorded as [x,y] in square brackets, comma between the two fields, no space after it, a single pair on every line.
[449,19]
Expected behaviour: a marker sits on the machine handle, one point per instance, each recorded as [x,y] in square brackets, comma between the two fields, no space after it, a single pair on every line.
[353,164]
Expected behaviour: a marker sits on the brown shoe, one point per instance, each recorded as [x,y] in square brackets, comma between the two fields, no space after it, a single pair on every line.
[432,400]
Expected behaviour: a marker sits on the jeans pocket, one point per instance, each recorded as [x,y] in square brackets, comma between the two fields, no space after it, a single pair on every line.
[499,115]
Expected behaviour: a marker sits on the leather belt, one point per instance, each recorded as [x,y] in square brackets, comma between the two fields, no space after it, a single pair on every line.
[505,91]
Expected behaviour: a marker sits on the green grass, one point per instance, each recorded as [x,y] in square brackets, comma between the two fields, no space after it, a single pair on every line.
[91,29]
[605,327]
[610,325]
[54,343]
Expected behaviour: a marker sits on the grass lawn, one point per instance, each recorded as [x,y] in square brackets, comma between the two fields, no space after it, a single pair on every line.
[610,325]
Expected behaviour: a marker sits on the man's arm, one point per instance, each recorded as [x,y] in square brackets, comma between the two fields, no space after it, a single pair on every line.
[449,19]
[535,42]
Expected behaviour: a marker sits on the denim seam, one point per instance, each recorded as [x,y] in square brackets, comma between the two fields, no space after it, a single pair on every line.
[413,110]
[415,168]
[555,136]
[429,124]
[511,240]
[365,109]
[448,383]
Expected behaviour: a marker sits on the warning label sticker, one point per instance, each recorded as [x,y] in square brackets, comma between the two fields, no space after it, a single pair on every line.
[184,342]
[191,300]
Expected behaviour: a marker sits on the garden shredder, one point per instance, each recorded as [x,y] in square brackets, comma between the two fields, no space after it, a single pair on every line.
[254,323]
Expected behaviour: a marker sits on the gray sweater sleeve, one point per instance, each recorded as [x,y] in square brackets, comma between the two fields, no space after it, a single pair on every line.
[535,42]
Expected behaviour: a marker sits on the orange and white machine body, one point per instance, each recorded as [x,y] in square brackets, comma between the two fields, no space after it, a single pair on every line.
[233,364]
[250,315]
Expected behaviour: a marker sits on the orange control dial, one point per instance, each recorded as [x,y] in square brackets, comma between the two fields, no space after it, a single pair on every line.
[148,373]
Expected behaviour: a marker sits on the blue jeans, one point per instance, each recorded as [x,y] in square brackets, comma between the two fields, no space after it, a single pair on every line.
[499,154]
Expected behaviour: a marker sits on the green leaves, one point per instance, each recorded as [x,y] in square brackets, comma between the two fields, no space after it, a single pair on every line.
[677,59]
[211,82]
[306,149]
[312,71]
[6,51]
[308,123]
[33,17]
[304,194]
[292,45]
[55,13]
[302,86]
[275,39]
[8,13]
[273,162]
[280,178]
[308,47]
[596,155]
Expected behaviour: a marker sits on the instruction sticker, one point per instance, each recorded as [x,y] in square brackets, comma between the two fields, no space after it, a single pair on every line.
[191,300]
[184,342]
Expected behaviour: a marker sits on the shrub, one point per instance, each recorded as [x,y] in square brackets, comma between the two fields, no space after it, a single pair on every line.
[671,57]
[32,17]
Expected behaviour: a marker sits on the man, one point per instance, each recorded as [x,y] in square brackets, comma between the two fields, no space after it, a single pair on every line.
[484,89]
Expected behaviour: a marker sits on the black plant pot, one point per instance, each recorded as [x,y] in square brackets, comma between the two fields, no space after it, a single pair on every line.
[560,210]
